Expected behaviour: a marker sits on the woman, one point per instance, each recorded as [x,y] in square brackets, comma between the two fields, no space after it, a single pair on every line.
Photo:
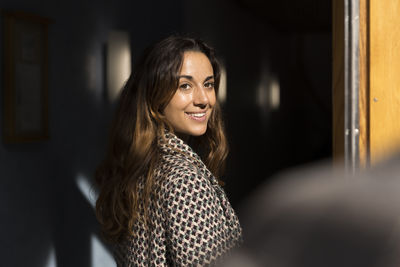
[159,203]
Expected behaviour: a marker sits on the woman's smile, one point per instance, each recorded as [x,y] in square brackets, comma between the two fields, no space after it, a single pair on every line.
[197,116]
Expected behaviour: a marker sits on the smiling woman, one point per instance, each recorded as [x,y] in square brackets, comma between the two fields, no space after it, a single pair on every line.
[161,203]
[190,108]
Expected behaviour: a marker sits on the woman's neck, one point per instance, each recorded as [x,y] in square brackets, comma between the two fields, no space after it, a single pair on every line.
[185,137]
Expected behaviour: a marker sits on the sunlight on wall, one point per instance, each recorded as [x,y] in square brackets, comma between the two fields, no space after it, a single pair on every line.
[118,62]
[51,260]
[222,86]
[86,189]
[100,255]
[274,93]
[268,92]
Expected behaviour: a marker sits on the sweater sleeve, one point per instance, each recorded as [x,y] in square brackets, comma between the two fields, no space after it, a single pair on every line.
[196,230]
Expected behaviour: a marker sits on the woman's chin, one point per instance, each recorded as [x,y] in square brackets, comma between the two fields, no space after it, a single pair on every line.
[195,131]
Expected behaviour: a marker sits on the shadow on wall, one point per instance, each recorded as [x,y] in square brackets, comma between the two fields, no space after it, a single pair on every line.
[76,229]
[278,104]
[46,220]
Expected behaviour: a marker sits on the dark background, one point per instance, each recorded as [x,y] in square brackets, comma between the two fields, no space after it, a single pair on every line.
[42,210]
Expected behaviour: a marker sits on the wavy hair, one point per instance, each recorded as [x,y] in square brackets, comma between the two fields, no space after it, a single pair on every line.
[132,151]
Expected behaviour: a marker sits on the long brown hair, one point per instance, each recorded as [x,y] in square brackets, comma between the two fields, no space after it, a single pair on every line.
[139,120]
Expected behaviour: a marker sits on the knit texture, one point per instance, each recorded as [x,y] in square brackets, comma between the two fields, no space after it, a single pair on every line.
[191,222]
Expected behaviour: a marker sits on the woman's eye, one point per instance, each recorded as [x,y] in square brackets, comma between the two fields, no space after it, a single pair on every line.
[209,85]
[184,86]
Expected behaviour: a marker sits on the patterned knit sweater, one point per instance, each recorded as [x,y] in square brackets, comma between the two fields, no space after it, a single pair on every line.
[191,222]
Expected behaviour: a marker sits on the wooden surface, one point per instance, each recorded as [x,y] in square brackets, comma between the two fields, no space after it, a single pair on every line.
[338,80]
[384,99]
[364,94]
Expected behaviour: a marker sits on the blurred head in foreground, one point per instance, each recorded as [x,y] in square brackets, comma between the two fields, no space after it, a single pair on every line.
[322,217]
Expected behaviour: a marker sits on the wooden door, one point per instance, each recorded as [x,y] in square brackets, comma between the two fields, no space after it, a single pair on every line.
[384,77]
[379,79]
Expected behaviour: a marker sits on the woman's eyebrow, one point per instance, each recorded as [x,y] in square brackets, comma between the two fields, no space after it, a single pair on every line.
[191,77]
[209,78]
[186,77]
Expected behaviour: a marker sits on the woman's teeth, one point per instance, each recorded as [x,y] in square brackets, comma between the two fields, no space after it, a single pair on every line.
[196,115]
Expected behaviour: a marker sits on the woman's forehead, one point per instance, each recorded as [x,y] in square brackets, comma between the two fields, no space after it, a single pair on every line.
[196,63]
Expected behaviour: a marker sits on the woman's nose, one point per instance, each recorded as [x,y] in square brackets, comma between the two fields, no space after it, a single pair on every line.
[200,97]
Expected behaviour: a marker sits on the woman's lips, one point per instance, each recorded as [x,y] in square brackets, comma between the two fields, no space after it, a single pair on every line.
[197,116]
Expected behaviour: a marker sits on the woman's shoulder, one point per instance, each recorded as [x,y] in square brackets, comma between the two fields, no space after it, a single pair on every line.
[172,168]
[176,172]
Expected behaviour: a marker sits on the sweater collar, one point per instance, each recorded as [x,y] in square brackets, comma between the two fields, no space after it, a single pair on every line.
[171,144]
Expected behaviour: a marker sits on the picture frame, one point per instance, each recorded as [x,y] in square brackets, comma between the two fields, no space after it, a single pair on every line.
[25,77]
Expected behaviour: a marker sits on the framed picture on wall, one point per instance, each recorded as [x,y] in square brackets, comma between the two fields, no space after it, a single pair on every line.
[25,81]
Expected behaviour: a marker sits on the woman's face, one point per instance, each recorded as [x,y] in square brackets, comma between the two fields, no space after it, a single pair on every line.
[190,108]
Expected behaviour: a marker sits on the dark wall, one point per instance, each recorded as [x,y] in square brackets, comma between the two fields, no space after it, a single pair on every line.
[41,206]
[256,47]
